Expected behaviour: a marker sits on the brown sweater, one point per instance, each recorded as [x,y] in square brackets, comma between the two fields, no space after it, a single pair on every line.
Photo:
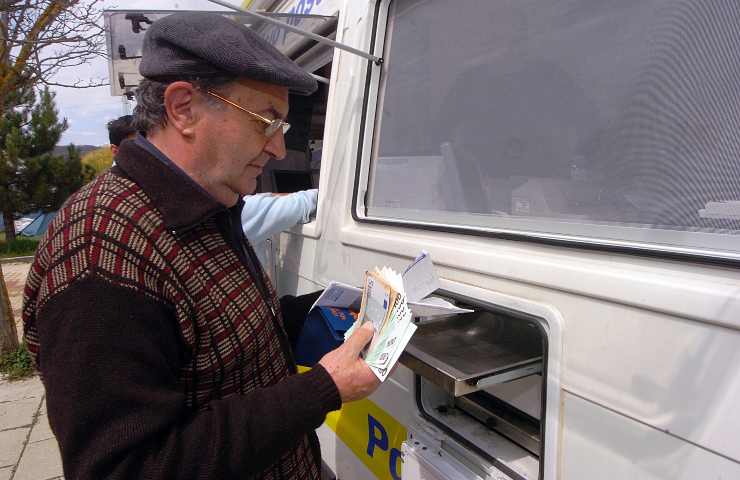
[160,340]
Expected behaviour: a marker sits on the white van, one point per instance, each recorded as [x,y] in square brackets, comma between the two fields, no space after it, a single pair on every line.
[573,168]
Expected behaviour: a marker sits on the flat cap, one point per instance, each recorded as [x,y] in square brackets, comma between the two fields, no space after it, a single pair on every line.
[207,45]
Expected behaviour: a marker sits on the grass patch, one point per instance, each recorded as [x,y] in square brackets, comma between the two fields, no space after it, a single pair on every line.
[20,247]
[17,365]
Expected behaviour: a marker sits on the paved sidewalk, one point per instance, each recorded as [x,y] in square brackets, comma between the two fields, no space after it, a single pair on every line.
[28,449]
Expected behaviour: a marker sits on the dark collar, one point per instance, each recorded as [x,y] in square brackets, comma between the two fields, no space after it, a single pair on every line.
[183,202]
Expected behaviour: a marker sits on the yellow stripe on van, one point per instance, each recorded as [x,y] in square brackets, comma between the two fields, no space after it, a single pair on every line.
[372,434]
[246,4]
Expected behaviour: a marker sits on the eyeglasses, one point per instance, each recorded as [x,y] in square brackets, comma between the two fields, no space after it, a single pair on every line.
[272,125]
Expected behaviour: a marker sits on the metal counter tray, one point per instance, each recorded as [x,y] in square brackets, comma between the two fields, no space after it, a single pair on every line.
[469,352]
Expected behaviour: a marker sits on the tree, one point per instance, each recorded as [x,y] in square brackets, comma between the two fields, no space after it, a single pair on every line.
[12,143]
[96,162]
[34,178]
[38,38]
[49,179]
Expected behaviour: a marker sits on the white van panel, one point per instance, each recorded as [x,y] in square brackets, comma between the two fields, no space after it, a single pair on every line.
[598,443]
[703,293]
[632,359]
[671,373]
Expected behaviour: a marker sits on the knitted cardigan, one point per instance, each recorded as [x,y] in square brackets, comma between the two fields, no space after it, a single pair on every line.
[160,340]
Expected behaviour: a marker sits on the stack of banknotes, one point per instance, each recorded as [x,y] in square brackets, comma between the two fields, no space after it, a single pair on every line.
[390,301]
[384,304]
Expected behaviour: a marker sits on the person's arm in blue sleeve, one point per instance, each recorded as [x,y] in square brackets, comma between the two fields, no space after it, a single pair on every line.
[264,215]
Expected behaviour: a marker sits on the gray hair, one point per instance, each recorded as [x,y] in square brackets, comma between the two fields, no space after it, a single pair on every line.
[150,113]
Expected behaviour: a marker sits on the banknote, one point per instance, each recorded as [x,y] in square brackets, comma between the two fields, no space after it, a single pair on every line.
[384,304]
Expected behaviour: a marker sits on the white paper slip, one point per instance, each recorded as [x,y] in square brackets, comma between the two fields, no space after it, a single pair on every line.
[432,306]
[419,278]
[339,295]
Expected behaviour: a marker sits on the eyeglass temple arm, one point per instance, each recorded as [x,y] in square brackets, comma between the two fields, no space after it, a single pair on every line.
[255,115]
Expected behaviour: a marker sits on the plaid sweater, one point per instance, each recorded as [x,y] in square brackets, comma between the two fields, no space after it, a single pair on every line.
[160,340]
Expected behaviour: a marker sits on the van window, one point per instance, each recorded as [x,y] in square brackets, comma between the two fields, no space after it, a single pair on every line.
[615,121]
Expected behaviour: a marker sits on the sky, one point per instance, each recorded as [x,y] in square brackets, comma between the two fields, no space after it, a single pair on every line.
[89,110]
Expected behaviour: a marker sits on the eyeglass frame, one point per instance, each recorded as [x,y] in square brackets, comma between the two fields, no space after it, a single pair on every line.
[272,125]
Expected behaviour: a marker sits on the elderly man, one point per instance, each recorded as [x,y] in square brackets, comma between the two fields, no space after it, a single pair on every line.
[159,338]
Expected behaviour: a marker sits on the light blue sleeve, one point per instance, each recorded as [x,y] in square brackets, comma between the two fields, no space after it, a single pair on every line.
[264,215]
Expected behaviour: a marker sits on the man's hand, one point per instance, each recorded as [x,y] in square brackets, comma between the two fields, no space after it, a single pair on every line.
[350,373]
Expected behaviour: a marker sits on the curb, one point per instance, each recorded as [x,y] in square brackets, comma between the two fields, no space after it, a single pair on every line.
[27,259]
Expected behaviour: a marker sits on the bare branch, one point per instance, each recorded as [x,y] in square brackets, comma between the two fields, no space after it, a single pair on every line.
[39,38]
[79,84]
[22,18]
[44,42]
[42,22]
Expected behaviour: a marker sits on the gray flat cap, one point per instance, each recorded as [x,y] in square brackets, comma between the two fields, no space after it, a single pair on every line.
[206,45]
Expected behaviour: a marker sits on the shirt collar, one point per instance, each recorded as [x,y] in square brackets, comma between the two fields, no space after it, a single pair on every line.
[182,202]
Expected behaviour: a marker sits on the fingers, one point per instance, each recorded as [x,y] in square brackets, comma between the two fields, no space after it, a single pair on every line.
[360,338]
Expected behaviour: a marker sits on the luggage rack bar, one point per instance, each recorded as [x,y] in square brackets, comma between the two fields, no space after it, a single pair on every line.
[291,28]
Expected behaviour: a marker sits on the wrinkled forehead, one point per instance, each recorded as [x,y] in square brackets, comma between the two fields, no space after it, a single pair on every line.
[261,95]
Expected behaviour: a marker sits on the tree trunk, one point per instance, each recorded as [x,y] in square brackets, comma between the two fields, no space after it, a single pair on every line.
[8,332]
[9,226]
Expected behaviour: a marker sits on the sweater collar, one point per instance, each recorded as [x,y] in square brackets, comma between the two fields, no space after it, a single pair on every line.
[182,202]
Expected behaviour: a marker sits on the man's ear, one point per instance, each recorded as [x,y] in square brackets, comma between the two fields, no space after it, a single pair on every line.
[178,102]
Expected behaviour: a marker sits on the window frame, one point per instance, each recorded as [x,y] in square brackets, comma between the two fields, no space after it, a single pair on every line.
[313,229]
[367,146]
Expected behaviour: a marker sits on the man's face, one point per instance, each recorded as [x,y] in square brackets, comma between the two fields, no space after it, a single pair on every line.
[234,144]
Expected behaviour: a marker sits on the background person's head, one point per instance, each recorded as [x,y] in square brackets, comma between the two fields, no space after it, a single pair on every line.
[210,91]
[119,130]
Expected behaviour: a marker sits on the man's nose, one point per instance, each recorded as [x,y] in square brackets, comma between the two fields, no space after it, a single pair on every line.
[275,146]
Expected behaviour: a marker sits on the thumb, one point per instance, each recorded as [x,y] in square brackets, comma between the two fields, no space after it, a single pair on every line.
[360,338]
